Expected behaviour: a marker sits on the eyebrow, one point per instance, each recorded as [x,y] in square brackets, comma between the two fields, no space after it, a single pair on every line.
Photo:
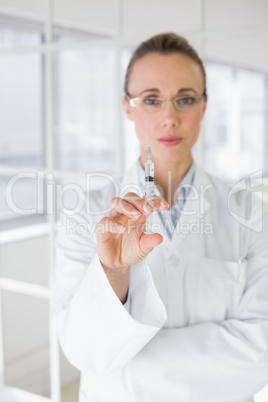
[149,90]
[182,90]
[187,90]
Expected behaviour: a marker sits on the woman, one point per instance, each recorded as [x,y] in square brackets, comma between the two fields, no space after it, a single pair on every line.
[178,315]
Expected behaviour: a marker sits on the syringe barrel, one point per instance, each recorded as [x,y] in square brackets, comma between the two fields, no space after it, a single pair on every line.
[149,182]
[149,193]
[149,171]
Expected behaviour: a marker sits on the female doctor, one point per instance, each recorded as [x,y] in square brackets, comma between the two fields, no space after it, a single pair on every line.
[180,315]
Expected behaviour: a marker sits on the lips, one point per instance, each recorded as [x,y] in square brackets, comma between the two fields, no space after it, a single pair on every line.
[170,141]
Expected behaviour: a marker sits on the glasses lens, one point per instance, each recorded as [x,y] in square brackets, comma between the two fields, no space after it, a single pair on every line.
[150,104]
[188,102]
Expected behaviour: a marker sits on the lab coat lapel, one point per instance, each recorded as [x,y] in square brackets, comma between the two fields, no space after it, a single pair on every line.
[187,230]
[191,223]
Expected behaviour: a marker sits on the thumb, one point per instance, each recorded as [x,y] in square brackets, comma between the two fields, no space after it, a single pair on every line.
[149,241]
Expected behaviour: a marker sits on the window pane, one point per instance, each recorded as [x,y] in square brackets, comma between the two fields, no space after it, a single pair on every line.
[253,116]
[22,197]
[131,143]
[11,36]
[21,124]
[234,143]
[86,116]
[67,34]
[216,119]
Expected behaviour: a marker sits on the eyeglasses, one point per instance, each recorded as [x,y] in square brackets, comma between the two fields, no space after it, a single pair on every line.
[153,104]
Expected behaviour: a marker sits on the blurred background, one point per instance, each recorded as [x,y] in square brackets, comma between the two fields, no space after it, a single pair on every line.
[62,66]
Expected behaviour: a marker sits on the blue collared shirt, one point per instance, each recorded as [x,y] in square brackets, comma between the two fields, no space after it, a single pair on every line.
[170,217]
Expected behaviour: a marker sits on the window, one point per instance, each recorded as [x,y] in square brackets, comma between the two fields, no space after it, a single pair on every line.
[21,120]
[85,107]
[235,122]
[11,36]
[131,143]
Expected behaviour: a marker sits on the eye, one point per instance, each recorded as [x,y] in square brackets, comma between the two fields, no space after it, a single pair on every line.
[187,100]
[152,101]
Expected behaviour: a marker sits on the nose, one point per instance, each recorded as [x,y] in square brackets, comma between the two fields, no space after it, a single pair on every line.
[170,115]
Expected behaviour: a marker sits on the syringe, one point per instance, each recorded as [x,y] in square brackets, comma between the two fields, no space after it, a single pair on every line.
[149,184]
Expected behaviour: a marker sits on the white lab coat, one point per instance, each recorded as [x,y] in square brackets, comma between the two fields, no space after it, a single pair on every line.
[195,327]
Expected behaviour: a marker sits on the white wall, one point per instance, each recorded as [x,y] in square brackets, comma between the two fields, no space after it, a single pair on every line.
[140,19]
[145,18]
[35,9]
[234,14]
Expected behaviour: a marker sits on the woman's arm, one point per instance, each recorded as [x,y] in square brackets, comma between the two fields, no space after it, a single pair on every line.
[94,328]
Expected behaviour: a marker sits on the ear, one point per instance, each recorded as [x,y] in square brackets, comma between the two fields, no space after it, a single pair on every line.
[127,108]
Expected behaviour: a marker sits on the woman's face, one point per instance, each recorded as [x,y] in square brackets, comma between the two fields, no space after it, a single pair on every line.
[166,76]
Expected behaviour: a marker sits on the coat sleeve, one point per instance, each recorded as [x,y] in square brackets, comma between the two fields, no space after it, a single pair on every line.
[96,332]
[228,358]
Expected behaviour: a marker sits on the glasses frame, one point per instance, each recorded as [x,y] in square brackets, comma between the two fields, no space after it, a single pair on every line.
[134,102]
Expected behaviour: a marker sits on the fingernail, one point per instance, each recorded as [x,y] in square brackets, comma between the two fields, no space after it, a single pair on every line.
[135,213]
[147,208]
[165,204]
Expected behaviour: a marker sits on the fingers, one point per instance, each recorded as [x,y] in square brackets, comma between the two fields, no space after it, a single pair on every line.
[160,203]
[131,206]
[139,203]
[134,206]
[107,225]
